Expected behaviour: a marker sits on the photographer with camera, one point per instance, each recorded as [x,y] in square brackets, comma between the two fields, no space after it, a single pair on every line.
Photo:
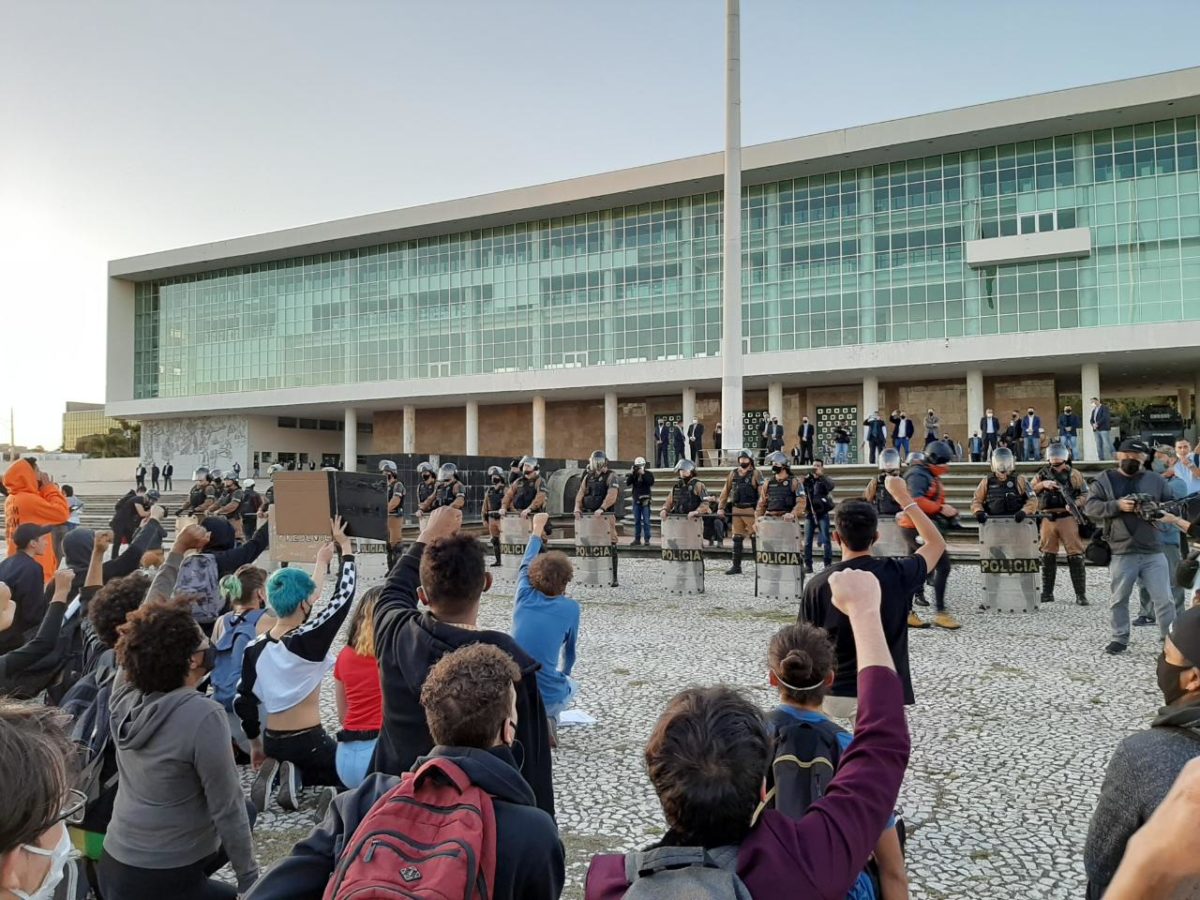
[1136,543]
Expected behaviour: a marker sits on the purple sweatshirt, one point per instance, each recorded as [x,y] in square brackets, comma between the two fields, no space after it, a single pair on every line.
[820,854]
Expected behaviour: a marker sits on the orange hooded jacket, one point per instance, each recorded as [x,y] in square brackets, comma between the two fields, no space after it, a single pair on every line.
[27,503]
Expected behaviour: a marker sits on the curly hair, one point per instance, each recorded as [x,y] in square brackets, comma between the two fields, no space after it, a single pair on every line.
[466,695]
[802,655]
[551,572]
[113,603]
[453,573]
[156,644]
[34,743]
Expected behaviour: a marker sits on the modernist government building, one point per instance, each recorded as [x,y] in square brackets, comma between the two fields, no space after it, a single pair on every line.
[1010,254]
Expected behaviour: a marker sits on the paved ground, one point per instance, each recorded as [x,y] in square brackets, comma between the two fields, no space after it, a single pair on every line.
[1016,717]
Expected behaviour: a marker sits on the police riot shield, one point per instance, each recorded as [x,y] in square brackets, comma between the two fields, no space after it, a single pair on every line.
[593,551]
[779,561]
[683,561]
[891,539]
[514,539]
[1010,563]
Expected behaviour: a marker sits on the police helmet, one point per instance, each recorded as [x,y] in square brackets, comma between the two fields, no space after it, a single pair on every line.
[889,460]
[273,468]
[215,475]
[686,468]
[248,484]
[200,474]
[780,460]
[426,468]
[528,462]
[913,458]
[639,462]
[939,453]
[1057,453]
[745,454]
[153,496]
[496,472]
[387,467]
[598,461]
[1003,461]
[448,472]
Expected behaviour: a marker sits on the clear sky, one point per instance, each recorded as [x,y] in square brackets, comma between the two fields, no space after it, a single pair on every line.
[130,126]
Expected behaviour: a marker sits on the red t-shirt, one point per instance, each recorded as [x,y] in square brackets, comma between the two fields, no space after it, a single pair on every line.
[364,701]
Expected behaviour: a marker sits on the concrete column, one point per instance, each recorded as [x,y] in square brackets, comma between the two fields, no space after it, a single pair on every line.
[350,440]
[611,443]
[539,426]
[775,399]
[689,410]
[870,403]
[410,429]
[1089,377]
[975,406]
[472,428]
[731,228]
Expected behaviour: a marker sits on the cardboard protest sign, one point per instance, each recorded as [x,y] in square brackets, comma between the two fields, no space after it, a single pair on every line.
[306,501]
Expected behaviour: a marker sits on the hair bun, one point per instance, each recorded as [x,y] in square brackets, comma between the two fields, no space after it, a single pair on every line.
[798,667]
[230,587]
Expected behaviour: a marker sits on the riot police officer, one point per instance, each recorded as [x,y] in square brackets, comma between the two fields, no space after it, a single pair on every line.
[782,495]
[1004,492]
[493,501]
[527,494]
[1055,484]
[877,493]
[447,491]
[598,495]
[196,497]
[688,496]
[740,496]
[395,511]
[924,479]
[426,483]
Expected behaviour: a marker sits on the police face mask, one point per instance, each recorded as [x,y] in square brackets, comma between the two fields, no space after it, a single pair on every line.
[744,464]
[497,480]
[58,857]
[1130,466]
[776,469]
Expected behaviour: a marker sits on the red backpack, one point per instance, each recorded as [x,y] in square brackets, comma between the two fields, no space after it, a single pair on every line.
[431,836]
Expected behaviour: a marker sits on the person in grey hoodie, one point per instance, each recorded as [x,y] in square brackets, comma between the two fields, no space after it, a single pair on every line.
[1137,545]
[1145,765]
[179,813]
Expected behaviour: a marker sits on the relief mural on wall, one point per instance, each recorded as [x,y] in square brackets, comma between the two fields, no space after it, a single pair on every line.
[202,441]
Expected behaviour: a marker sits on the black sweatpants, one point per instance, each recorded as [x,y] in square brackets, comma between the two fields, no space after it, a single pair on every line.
[940,574]
[312,751]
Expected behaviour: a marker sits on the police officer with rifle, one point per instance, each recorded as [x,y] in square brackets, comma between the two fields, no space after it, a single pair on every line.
[1057,485]
[598,495]
[740,496]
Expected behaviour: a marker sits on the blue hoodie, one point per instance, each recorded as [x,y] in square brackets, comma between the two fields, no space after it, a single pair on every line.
[546,628]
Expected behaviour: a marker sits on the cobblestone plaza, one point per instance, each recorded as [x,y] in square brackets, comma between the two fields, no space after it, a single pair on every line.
[1015,720]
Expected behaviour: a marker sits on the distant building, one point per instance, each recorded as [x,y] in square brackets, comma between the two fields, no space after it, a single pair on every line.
[83,419]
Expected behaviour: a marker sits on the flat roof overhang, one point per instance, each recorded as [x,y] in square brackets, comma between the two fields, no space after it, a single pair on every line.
[1130,101]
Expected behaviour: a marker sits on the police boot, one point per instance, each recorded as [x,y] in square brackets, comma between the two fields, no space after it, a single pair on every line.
[736,568]
[614,567]
[496,550]
[1078,579]
[391,556]
[1049,570]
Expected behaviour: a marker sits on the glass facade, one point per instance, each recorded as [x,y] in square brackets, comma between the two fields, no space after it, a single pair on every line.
[861,256]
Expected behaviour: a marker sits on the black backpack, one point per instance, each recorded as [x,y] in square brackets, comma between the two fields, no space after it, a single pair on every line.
[806,757]
[71,658]
[88,703]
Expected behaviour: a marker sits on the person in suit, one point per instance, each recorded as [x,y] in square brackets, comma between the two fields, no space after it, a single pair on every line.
[975,447]
[989,430]
[154,473]
[677,440]
[775,431]
[1068,430]
[662,440]
[1101,422]
[1012,434]
[876,438]
[807,434]
[1031,430]
[902,431]
[167,473]
[717,442]
[764,438]
[695,436]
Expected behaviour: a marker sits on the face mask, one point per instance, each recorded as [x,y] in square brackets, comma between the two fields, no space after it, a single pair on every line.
[776,469]
[1158,466]
[58,861]
[497,481]
[1130,466]
[744,464]
[1168,679]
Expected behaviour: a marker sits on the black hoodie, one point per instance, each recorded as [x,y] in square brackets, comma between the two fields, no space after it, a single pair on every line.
[408,643]
[529,853]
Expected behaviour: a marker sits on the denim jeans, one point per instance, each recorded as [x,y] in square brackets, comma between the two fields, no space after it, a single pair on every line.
[901,444]
[1103,445]
[641,521]
[1171,552]
[1033,449]
[353,761]
[841,453]
[554,710]
[1150,569]
[1071,442]
[821,522]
